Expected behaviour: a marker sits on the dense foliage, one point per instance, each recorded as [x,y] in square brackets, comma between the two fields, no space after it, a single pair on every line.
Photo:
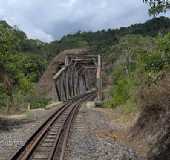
[142,61]
[21,64]
[157,6]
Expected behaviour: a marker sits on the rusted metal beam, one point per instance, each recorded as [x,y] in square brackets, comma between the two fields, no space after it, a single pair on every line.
[78,59]
[99,82]
[57,91]
[88,67]
[66,61]
[82,55]
[59,73]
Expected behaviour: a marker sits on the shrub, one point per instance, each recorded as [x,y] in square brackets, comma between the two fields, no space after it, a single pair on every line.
[39,102]
[3,97]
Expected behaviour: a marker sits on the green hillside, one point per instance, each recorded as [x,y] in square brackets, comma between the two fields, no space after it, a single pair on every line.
[23,60]
[101,40]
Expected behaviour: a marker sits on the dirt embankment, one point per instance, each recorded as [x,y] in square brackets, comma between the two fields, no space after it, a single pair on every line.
[153,124]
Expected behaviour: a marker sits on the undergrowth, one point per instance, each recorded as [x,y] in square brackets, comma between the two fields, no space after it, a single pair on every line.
[142,62]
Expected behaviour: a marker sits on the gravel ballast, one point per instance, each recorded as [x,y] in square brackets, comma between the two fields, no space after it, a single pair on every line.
[15,132]
[87,143]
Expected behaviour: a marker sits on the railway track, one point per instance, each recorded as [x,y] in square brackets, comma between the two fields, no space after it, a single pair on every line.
[49,141]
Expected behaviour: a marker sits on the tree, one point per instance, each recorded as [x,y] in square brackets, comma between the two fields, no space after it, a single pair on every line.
[19,70]
[157,6]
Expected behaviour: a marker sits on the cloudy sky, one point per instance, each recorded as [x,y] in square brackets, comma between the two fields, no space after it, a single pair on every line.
[51,19]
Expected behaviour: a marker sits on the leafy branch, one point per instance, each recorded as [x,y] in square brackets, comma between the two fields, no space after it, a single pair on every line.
[157,6]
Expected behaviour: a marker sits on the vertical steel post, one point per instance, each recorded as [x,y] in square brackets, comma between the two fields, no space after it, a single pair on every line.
[66,61]
[99,82]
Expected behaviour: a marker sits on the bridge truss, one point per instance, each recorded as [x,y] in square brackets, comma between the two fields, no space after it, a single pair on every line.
[79,74]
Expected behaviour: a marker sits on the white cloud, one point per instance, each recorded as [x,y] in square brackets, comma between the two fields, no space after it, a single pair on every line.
[52,19]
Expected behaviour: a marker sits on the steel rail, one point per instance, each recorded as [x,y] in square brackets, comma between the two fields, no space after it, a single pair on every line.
[60,140]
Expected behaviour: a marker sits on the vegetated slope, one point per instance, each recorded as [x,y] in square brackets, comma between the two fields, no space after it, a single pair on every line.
[154,120]
[138,58]
[102,40]
[22,63]
[140,82]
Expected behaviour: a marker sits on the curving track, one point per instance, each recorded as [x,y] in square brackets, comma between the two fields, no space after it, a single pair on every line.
[49,141]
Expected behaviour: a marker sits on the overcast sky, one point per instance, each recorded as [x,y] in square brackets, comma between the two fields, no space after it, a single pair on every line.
[48,20]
